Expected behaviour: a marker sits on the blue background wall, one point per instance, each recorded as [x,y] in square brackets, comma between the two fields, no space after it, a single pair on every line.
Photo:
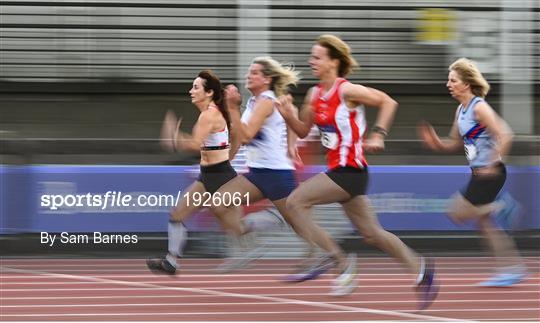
[406,197]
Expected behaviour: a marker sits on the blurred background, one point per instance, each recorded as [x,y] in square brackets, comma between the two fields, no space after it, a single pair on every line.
[88,83]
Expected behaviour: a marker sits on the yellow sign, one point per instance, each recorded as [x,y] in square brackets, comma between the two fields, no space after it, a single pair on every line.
[436,25]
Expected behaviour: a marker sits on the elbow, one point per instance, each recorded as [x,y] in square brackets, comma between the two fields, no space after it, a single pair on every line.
[193,145]
[232,152]
[303,135]
[247,136]
[301,131]
[393,103]
[246,139]
[506,137]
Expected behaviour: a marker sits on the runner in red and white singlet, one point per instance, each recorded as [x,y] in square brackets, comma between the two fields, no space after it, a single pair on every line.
[341,127]
[336,107]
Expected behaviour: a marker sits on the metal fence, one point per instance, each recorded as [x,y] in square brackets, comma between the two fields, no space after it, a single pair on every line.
[170,40]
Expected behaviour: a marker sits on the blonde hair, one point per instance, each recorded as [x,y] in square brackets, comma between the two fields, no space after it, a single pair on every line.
[470,74]
[338,49]
[282,76]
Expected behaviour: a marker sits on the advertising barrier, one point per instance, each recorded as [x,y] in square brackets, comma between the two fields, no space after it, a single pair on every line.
[138,198]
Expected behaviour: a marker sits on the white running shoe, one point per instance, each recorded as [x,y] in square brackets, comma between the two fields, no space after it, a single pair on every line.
[346,282]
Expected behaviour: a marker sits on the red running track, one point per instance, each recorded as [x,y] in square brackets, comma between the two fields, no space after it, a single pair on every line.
[123,290]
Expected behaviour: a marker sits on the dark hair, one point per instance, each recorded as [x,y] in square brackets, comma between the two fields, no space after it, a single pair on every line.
[213,83]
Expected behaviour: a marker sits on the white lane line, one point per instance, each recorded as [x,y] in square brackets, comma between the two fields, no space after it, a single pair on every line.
[283,287]
[374,258]
[487,291]
[255,297]
[147,274]
[260,262]
[179,279]
[263,271]
[493,291]
[266,266]
[534,319]
[482,310]
[178,314]
[361,287]
[258,303]
[358,310]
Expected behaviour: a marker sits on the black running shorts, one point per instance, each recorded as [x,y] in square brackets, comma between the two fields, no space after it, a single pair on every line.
[214,176]
[483,189]
[353,180]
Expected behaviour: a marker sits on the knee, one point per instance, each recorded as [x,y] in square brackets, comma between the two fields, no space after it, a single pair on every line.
[289,204]
[295,201]
[459,209]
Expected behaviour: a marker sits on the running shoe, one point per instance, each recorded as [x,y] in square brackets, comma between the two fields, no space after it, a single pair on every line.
[506,277]
[313,270]
[346,282]
[160,266]
[427,289]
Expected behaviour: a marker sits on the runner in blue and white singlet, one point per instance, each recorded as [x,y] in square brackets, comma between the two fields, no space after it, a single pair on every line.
[268,149]
[270,158]
[478,142]
[487,139]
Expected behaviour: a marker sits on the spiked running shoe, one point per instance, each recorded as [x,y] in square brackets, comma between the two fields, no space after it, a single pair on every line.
[346,283]
[312,271]
[427,289]
[160,266]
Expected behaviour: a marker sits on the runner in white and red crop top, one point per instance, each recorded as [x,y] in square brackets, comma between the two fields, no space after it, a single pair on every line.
[210,136]
[336,107]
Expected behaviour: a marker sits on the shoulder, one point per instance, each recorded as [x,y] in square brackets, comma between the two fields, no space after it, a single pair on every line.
[210,115]
[264,99]
[481,103]
[482,107]
[310,94]
[268,95]
[264,103]
[347,87]
[354,92]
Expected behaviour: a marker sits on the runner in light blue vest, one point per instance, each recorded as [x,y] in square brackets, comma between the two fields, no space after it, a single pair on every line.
[487,139]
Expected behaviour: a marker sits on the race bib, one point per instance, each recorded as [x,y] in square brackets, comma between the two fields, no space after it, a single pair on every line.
[329,138]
